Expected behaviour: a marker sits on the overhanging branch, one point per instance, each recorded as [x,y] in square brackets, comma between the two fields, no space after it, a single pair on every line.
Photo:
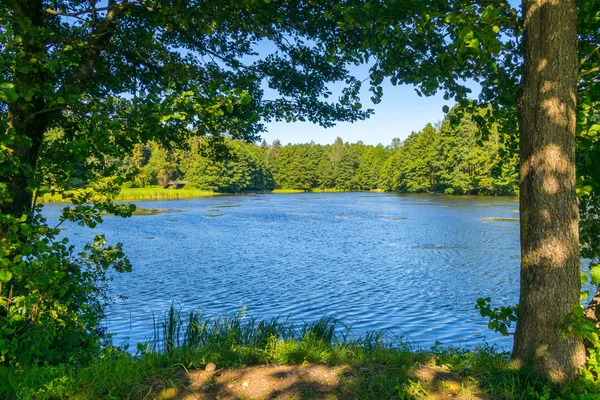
[98,40]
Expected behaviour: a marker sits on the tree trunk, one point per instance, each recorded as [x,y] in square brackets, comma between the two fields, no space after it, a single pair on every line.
[28,140]
[27,118]
[550,281]
[17,184]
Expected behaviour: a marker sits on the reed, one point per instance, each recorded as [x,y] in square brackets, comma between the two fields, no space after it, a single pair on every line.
[151,193]
[161,193]
[286,191]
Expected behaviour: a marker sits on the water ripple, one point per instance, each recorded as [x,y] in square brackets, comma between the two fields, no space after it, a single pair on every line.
[410,264]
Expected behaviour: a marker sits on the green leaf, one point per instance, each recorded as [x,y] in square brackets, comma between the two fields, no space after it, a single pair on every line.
[8,93]
[583,277]
[584,295]
[246,99]
[446,109]
[473,43]
[5,275]
[595,274]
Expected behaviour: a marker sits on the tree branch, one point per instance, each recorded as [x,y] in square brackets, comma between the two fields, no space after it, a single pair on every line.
[74,14]
[589,71]
[234,63]
[589,55]
[89,10]
[47,110]
[98,39]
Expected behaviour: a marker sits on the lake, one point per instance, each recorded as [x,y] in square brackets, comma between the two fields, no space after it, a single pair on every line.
[414,265]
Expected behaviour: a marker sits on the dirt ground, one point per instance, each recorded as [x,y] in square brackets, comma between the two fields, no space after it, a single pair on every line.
[304,382]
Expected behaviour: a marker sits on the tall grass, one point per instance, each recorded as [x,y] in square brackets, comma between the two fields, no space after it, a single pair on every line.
[285,191]
[161,193]
[149,193]
[247,338]
[380,366]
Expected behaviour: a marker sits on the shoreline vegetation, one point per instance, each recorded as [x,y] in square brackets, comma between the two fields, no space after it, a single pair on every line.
[239,356]
[160,193]
[449,158]
[147,193]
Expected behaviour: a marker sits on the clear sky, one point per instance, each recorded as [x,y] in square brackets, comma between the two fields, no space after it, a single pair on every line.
[400,112]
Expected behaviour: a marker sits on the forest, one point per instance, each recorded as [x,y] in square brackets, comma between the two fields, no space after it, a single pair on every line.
[453,157]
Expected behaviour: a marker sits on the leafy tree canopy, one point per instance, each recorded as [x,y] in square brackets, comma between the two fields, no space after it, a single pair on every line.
[114,75]
[81,82]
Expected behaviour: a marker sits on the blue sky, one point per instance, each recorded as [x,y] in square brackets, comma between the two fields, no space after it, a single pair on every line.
[400,112]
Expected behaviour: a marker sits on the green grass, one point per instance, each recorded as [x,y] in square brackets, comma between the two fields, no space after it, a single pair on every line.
[381,366]
[329,190]
[50,198]
[286,191]
[160,193]
[152,193]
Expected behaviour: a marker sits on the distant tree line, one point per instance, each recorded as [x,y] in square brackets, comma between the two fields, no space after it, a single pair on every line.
[453,157]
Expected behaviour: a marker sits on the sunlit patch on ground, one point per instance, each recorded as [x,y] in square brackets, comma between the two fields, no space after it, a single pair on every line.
[309,381]
[260,382]
[440,383]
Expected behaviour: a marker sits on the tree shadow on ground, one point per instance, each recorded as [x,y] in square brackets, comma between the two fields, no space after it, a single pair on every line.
[311,381]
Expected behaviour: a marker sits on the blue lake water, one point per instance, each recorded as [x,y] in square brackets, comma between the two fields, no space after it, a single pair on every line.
[412,264]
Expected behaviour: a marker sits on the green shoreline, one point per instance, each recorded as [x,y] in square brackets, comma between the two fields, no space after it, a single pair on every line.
[169,194]
[154,193]
[143,194]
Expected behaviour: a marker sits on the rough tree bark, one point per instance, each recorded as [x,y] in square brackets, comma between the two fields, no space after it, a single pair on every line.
[550,279]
